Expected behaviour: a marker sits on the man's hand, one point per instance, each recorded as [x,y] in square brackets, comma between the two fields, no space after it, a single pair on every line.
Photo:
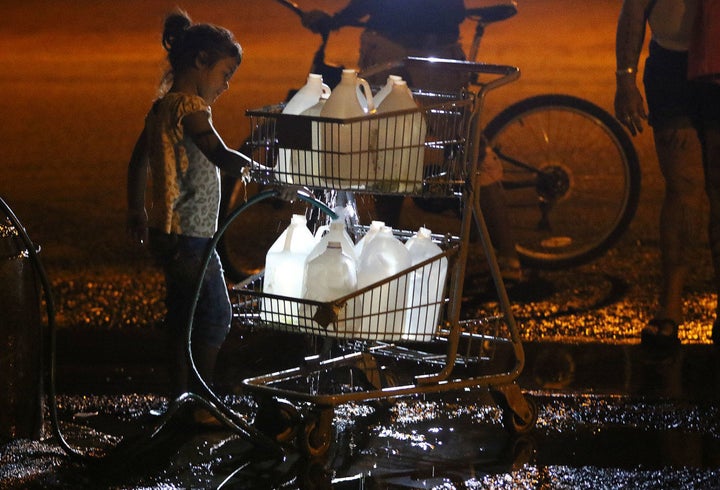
[629,105]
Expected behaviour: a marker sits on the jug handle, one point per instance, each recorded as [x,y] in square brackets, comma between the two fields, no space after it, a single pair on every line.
[325,91]
[368,94]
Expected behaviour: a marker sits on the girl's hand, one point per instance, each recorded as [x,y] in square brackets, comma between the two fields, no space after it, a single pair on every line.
[289,193]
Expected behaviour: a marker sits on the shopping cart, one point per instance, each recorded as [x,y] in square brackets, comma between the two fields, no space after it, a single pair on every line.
[380,331]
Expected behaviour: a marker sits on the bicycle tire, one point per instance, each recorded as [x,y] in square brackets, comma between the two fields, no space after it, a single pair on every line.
[234,270]
[571,175]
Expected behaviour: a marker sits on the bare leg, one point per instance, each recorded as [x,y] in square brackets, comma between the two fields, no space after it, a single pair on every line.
[711,141]
[679,155]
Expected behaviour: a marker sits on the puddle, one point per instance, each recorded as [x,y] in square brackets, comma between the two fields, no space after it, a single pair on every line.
[443,442]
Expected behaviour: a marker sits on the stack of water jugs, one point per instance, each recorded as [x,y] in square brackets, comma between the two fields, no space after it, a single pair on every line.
[329,266]
[357,152]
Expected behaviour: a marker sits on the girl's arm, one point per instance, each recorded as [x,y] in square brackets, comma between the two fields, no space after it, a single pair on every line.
[198,126]
[136,183]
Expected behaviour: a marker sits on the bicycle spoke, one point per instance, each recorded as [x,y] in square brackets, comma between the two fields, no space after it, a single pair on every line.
[571,178]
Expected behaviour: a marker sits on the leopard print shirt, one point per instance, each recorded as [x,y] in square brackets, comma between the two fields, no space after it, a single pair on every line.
[185,184]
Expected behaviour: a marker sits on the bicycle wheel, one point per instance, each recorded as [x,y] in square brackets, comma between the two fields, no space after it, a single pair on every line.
[239,250]
[571,176]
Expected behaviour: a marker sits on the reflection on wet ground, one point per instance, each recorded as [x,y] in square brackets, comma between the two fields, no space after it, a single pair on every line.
[587,441]
[610,414]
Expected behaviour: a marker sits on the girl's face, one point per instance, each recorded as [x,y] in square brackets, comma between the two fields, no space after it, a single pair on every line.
[215,79]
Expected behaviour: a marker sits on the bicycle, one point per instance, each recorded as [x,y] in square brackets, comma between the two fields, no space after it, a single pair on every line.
[571,172]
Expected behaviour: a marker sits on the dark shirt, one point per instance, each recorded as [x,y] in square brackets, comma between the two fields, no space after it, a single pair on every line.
[407,19]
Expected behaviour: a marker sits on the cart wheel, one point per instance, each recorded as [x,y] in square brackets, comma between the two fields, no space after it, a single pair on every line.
[316,437]
[515,424]
[278,418]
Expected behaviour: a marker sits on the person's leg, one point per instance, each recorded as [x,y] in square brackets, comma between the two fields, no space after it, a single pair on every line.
[708,96]
[212,316]
[493,204]
[211,322]
[494,207]
[679,156]
[164,249]
[672,105]
[711,147]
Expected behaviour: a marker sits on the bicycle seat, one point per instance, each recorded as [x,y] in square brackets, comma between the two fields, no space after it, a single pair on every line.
[493,13]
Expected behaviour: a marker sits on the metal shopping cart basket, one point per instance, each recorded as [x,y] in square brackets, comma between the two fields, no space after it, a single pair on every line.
[410,321]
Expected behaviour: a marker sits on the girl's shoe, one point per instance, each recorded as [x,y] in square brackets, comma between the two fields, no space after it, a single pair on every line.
[660,333]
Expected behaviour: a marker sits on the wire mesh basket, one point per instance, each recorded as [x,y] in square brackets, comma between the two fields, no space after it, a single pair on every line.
[407,306]
[409,152]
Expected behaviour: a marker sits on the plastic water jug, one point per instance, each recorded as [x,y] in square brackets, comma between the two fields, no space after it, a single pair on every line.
[373,229]
[401,141]
[329,276]
[425,287]
[383,306]
[346,156]
[334,232]
[385,90]
[316,108]
[346,100]
[293,165]
[284,270]
[306,163]
[308,95]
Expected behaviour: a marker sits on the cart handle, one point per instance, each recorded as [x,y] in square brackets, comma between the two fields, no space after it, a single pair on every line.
[507,73]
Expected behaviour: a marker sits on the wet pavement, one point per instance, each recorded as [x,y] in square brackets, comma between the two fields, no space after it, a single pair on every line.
[611,414]
[608,417]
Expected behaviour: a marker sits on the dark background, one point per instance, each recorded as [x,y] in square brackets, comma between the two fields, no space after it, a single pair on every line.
[78,76]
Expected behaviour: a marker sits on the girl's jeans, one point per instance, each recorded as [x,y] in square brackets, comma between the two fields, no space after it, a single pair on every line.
[181,258]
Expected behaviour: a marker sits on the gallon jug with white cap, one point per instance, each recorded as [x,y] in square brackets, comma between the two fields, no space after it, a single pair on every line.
[346,158]
[284,270]
[334,232]
[425,287]
[307,96]
[401,141]
[383,307]
[373,229]
[293,164]
[306,163]
[329,276]
[385,89]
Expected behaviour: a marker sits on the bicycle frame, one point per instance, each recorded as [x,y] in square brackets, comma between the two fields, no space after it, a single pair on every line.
[540,142]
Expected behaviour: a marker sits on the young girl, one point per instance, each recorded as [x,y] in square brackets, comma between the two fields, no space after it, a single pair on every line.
[185,154]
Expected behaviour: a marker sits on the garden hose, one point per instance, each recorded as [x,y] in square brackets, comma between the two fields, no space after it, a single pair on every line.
[214,405]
